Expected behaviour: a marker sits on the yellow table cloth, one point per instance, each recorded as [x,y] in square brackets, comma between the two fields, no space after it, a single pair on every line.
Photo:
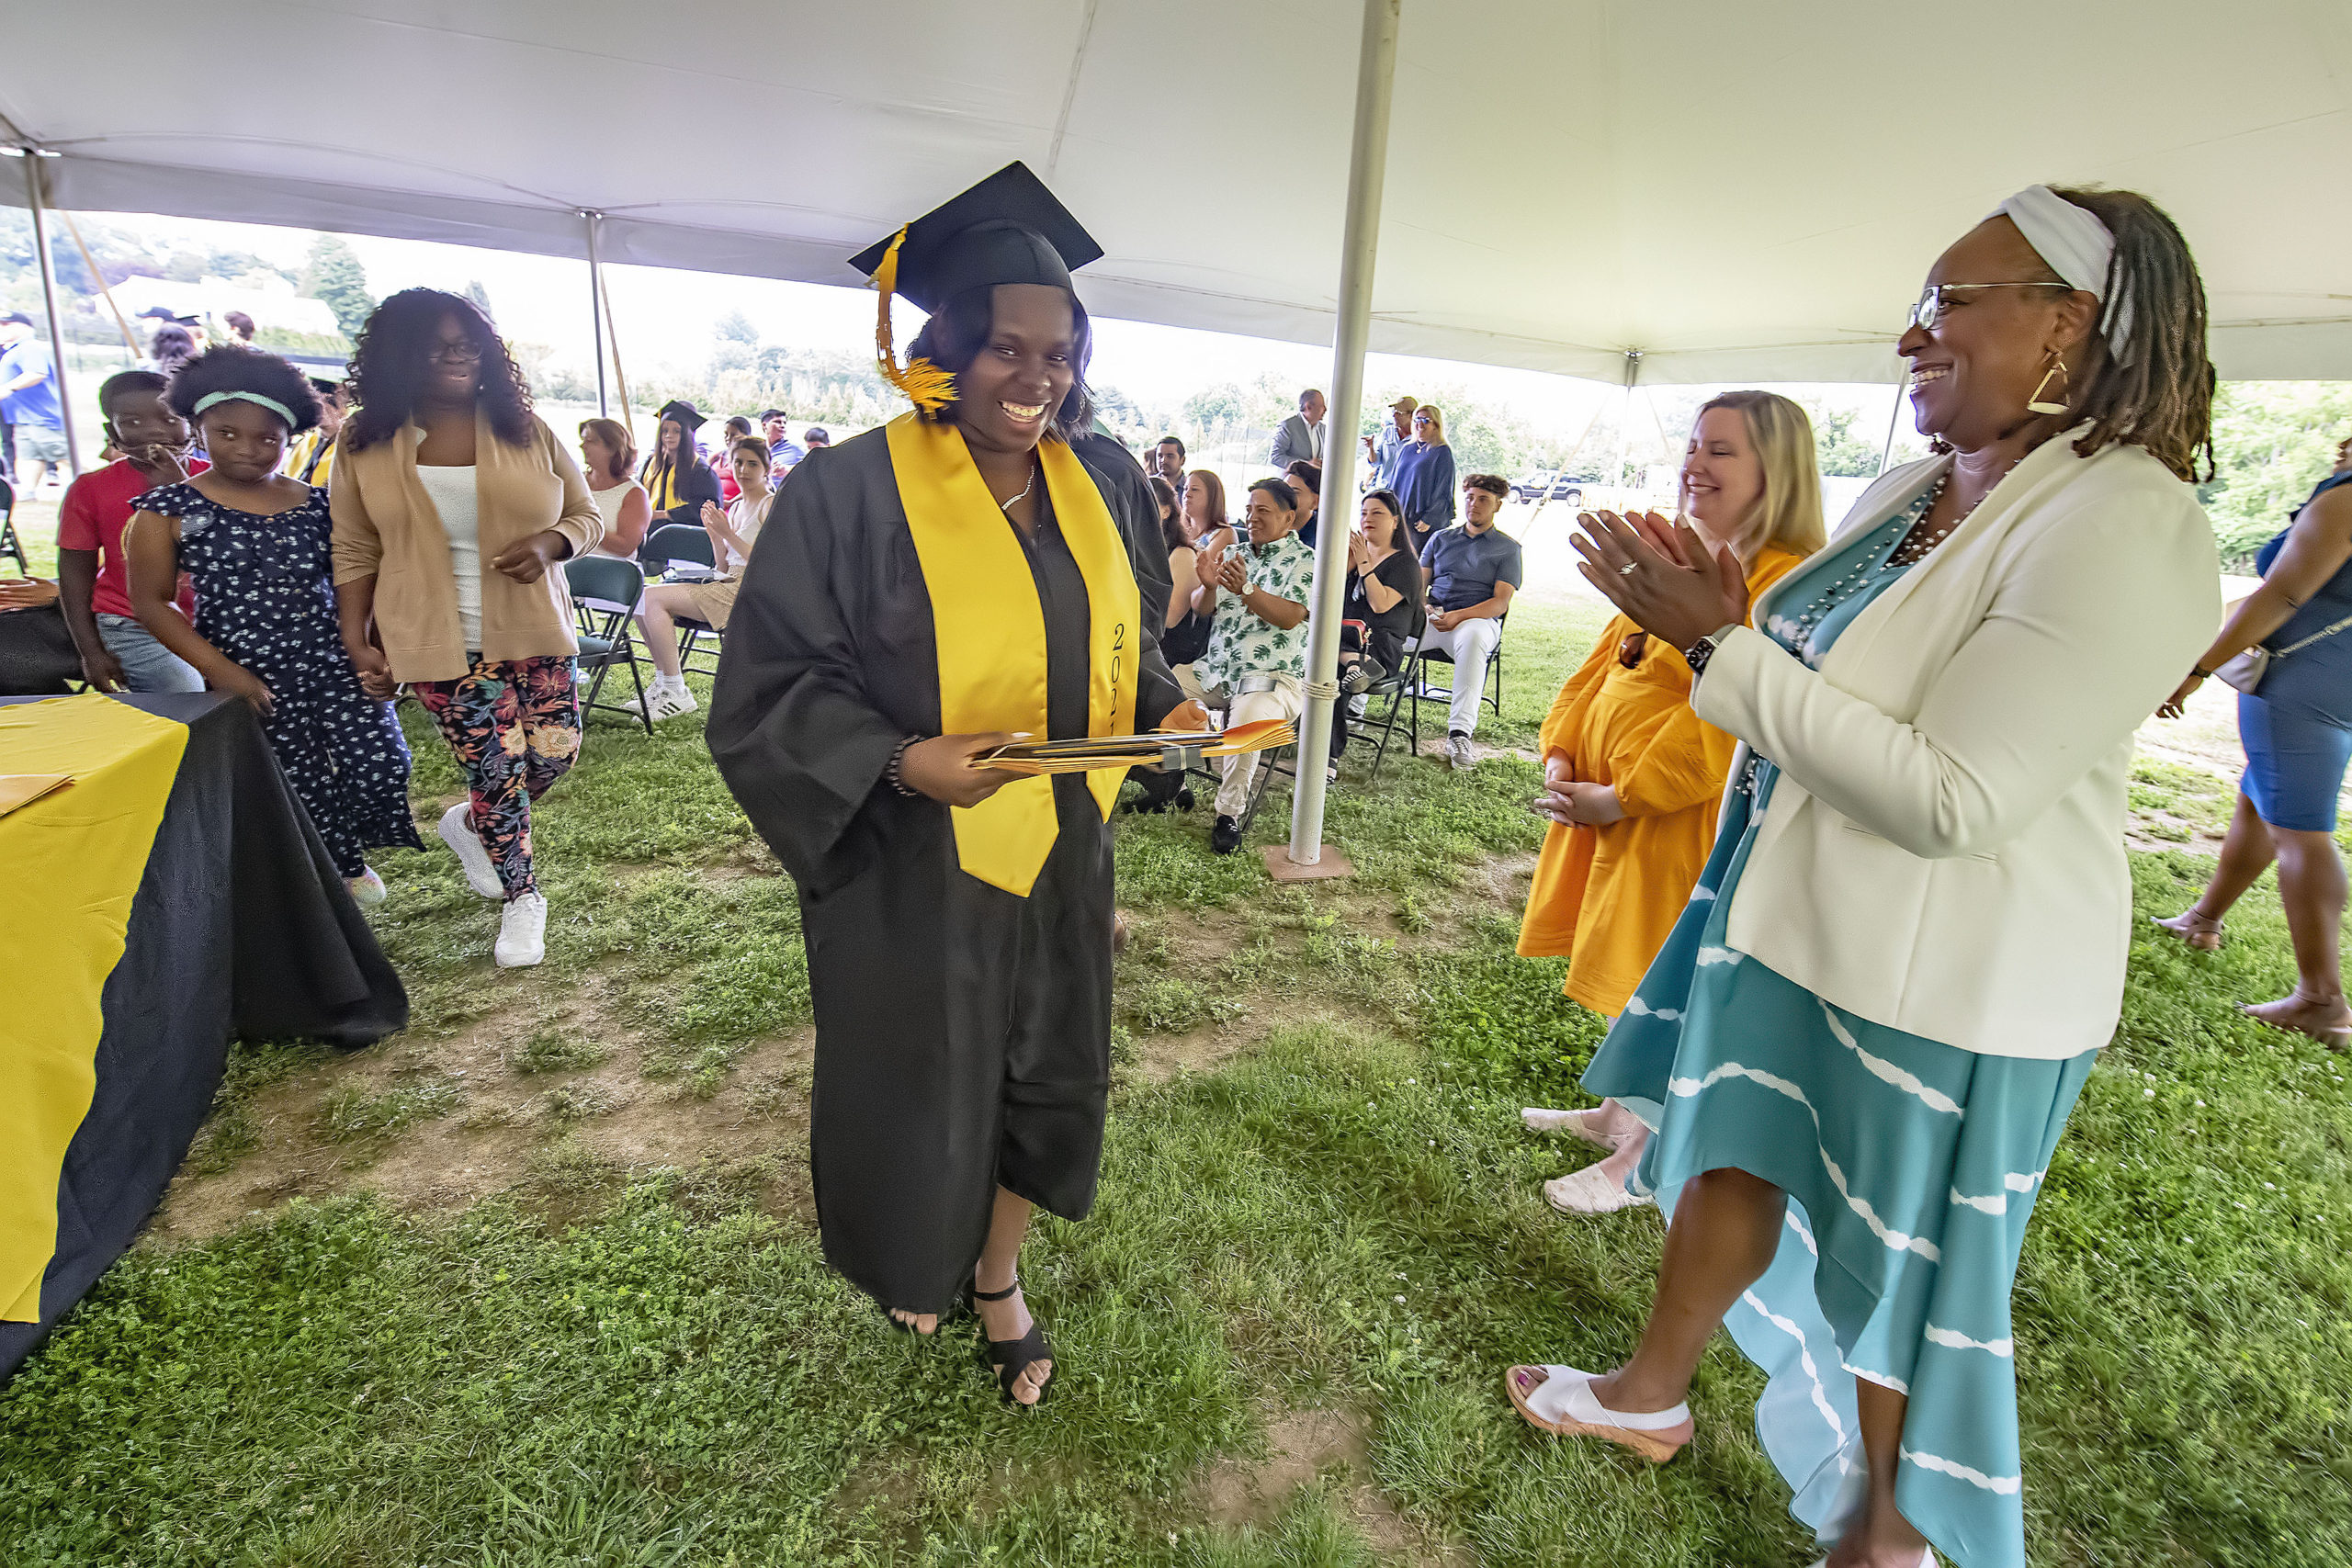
[70,862]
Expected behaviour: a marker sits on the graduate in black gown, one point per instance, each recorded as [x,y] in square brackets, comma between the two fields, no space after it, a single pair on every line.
[969,571]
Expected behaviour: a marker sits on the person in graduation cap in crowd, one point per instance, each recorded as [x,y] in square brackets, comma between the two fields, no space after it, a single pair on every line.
[675,476]
[966,572]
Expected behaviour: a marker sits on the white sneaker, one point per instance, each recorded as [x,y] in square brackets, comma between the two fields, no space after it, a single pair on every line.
[521,932]
[1457,753]
[367,888]
[666,701]
[1590,1192]
[458,833]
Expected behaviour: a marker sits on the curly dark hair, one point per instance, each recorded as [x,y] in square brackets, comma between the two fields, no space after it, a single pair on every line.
[956,333]
[2159,393]
[234,367]
[395,354]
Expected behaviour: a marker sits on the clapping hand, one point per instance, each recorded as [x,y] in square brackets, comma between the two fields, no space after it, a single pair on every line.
[713,518]
[1232,575]
[1662,575]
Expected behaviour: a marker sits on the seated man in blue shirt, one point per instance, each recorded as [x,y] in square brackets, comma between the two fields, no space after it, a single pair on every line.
[1471,568]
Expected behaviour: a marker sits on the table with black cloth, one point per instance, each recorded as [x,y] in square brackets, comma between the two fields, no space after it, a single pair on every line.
[239,928]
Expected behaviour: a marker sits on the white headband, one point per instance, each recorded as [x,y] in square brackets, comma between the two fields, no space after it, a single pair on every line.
[2078,248]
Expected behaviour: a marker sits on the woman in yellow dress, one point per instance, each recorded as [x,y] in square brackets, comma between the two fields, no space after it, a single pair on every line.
[1632,776]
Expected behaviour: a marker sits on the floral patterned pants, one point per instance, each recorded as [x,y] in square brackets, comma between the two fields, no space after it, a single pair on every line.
[514,726]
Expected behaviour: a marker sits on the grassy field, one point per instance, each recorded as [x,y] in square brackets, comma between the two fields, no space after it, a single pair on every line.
[536,1282]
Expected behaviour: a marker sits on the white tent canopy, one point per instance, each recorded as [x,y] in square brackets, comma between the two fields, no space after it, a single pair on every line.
[1734,192]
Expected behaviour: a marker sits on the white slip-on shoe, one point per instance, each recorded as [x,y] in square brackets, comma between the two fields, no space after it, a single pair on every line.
[1584,1124]
[1590,1192]
[1561,1401]
[521,932]
[367,888]
[457,831]
[1458,754]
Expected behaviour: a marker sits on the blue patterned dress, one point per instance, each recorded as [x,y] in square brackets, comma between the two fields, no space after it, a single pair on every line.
[1910,1166]
[263,599]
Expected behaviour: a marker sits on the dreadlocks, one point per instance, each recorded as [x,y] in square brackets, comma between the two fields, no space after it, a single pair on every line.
[2157,393]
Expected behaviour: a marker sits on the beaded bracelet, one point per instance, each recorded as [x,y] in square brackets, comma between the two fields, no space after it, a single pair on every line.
[895,775]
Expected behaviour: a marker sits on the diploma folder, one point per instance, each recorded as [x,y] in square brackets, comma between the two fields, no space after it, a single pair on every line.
[1166,751]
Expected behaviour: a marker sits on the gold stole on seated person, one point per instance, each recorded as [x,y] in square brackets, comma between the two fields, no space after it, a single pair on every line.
[990,629]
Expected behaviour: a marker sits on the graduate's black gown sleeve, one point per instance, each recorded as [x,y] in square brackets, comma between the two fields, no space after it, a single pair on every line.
[697,485]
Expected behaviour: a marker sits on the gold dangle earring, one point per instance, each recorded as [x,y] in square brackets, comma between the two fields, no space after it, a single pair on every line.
[2034,404]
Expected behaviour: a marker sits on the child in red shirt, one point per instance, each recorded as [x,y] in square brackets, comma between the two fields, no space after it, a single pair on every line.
[92,592]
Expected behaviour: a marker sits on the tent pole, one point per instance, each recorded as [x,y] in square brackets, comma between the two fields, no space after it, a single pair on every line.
[130,339]
[1367,170]
[1886,453]
[34,197]
[1625,419]
[596,311]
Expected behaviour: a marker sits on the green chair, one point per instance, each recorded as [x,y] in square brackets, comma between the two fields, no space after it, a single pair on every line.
[664,548]
[604,590]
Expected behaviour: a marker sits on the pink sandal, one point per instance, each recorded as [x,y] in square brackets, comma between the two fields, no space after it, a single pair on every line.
[1561,1401]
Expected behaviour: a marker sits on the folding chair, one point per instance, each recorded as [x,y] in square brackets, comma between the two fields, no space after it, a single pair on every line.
[663,549]
[1418,688]
[604,590]
[10,543]
[1392,688]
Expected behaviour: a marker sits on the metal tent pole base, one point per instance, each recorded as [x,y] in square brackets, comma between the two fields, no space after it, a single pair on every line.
[1328,865]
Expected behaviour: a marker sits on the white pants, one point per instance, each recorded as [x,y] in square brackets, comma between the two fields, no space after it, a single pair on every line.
[1284,701]
[1470,644]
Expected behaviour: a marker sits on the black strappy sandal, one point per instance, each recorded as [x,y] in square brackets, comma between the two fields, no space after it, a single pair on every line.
[1010,1358]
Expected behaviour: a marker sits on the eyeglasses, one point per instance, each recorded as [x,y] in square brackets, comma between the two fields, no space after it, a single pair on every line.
[1932,303]
[467,353]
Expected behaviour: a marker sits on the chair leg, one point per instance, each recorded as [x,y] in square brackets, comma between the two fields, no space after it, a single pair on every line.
[1265,778]
[636,679]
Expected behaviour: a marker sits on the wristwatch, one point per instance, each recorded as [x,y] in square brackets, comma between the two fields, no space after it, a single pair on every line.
[1698,653]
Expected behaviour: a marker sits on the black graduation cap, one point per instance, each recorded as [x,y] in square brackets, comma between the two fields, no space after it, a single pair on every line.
[684,413]
[1007,229]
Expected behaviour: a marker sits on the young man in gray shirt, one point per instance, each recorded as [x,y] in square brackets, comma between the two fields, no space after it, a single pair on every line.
[1472,571]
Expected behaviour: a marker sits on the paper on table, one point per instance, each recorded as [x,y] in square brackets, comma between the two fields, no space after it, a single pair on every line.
[23,789]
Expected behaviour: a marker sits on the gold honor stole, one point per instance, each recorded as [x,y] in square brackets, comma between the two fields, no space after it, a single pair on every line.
[74,858]
[990,631]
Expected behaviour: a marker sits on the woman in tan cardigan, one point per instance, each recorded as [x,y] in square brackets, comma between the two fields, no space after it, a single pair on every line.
[451,501]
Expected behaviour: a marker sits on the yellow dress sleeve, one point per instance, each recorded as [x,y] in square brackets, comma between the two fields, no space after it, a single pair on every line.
[1686,759]
[1561,725]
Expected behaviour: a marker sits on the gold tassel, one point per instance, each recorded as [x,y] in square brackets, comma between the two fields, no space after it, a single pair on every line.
[923,384]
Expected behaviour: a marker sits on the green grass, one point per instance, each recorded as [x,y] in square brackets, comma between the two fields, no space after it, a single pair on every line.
[1342,1217]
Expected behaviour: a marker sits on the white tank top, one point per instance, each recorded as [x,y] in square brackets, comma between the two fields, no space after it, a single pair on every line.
[455,498]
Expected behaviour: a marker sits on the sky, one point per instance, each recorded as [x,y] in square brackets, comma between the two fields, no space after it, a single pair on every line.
[662,319]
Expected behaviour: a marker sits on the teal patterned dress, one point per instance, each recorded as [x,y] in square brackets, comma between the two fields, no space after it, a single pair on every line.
[1911,1167]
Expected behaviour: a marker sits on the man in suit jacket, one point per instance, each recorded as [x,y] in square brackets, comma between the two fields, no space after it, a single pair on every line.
[1301,437]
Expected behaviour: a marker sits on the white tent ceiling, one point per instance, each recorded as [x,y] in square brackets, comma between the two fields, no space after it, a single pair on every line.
[1737,191]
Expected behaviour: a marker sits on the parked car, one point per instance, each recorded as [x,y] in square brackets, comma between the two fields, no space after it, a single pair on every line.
[1569,488]
[1531,486]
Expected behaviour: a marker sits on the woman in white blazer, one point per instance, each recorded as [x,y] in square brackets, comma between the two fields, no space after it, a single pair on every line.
[1861,1042]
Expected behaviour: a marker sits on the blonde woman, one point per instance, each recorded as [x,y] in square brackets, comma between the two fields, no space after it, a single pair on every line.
[608,455]
[1631,777]
[1425,479]
[1203,512]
